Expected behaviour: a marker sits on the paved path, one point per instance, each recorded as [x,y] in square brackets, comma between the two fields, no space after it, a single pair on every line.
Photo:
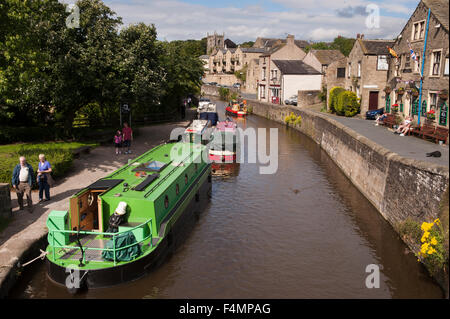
[406,146]
[25,229]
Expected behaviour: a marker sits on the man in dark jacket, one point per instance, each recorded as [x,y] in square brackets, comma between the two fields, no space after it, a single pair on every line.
[22,181]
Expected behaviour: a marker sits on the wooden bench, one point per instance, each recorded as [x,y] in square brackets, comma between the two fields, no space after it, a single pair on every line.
[438,134]
[390,120]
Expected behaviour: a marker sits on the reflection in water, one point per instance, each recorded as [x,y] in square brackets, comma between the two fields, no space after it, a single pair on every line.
[304,232]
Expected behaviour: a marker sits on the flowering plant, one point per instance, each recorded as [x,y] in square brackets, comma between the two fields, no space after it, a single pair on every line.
[431,115]
[432,250]
[394,107]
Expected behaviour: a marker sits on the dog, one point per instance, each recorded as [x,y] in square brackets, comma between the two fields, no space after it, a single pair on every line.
[434,154]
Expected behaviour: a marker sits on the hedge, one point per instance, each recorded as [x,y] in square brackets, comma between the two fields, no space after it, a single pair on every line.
[347,104]
[334,92]
[58,154]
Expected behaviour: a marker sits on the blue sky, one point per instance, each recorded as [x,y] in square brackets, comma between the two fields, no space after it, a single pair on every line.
[243,20]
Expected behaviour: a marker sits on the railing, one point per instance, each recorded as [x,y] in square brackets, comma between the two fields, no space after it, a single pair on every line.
[114,235]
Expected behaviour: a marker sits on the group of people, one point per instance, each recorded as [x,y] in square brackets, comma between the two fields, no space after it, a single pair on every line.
[23,177]
[123,139]
[402,129]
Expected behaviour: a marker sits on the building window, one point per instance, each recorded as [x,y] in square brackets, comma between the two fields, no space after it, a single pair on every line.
[418,30]
[435,63]
[446,66]
[359,69]
[417,64]
[398,64]
[382,63]
[349,70]
[433,100]
[341,72]
[262,91]
[264,74]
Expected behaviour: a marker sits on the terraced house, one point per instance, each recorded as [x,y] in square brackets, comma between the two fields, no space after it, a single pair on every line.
[405,72]
[268,88]
[367,70]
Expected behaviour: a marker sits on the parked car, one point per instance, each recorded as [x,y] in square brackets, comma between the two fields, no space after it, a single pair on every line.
[212,83]
[237,85]
[372,114]
[293,100]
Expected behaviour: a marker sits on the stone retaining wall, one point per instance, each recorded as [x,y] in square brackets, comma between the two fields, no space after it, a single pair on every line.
[5,201]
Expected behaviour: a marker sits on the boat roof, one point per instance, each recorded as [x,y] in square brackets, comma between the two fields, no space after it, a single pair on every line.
[149,175]
[227,126]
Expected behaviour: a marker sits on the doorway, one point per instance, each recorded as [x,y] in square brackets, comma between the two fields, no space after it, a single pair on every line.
[373,100]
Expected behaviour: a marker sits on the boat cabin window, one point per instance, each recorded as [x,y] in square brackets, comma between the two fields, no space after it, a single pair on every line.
[166,202]
[153,166]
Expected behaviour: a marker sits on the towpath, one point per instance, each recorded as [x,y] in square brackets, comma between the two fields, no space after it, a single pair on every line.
[18,239]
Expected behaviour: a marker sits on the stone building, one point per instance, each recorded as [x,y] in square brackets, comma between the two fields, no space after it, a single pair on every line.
[269,43]
[405,72]
[321,59]
[214,41]
[366,73]
[288,77]
[289,50]
[336,74]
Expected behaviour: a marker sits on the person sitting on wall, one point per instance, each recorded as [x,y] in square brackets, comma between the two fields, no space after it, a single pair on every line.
[405,126]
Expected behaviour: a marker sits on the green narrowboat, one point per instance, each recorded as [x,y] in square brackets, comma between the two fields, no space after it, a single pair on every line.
[117,228]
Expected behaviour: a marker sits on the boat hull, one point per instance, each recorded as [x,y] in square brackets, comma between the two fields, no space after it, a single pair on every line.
[120,274]
[230,111]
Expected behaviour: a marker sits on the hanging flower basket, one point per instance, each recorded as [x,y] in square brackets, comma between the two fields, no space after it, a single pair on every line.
[400,91]
[387,90]
[443,95]
[394,108]
[414,92]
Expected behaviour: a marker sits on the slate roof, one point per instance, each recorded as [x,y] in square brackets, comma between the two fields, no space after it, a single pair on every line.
[326,57]
[295,67]
[230,44]
[439,8]
[376,47]
[252,50]
[204,56]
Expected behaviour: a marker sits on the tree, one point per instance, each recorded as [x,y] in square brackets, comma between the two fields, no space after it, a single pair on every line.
[141,73]
[247,44]
[183,73]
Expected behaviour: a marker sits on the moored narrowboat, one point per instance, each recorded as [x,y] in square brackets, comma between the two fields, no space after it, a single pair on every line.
[224,143]
[235,108]
[119,227]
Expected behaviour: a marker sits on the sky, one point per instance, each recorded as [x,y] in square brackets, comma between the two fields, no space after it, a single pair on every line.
[245,20]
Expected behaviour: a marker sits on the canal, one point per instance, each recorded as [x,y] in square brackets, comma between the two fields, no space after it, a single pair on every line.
[304,232]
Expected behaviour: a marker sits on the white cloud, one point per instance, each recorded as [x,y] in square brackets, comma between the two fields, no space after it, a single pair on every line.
[307,19]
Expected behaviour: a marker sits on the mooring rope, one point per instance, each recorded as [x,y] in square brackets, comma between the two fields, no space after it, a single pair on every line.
[41,256]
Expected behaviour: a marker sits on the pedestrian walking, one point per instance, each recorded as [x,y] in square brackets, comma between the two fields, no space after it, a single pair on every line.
[118,141]
[127,137]
[44,178]
[22,181]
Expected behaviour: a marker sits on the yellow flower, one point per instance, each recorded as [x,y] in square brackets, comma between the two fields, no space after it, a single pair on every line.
[433,241]
[426,226]
[425,236]
[437,221]
[431,251]
[424,248]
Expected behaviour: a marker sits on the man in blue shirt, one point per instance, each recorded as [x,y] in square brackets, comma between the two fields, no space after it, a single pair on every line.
[22,181]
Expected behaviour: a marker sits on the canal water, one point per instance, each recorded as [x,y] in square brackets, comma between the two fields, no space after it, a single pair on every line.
[304,232]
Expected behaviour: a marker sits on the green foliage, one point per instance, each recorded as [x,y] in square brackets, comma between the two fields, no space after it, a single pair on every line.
[224,94]
[342,44]
[51,74]
[332,103]
[58,154]
[247,44]
[347,104]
